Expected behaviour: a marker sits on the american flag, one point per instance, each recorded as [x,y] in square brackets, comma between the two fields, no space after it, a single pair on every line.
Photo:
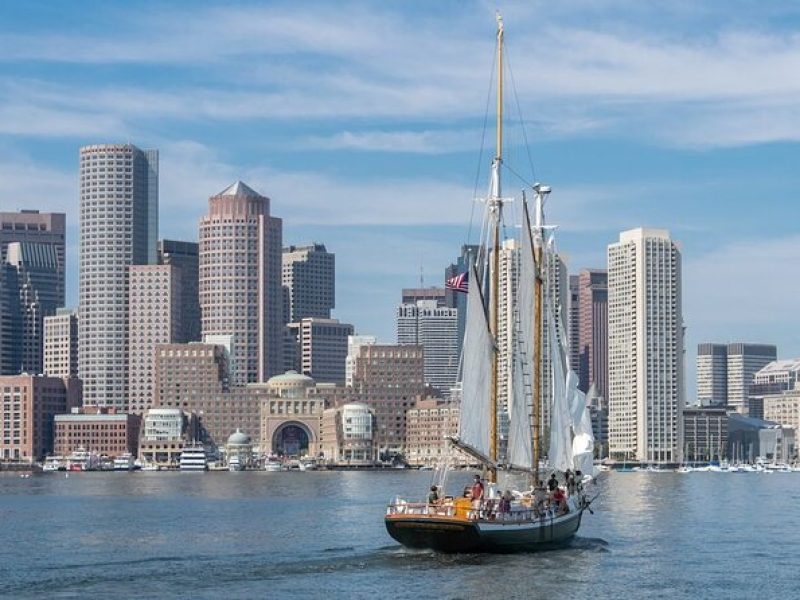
[459,283]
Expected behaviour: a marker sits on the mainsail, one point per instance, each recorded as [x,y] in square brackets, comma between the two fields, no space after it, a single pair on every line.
[476,382]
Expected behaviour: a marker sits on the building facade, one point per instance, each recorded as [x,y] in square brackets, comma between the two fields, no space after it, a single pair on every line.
[164,433]
[354,343]
[428,425]
[322,348]
[291,416]
[712,374]
[592,335]
[645,347]
[119,228]
[61,344]
[434,328]
[348,435]
[186,257]
[240,280]
[28,404]
[705,433]
[309,278]
[100,430]
[743,362]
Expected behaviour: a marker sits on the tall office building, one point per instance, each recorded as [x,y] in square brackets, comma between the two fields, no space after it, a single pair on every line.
[712,374]
[31,289]
[743,362]
[573,325]
[309,277]
[592,331]
[119,228]
[186,256]
[441,296]
[61,344]
[645,347]
[435,328]
[240,280]
[39,228]
[322,345]
[155,317]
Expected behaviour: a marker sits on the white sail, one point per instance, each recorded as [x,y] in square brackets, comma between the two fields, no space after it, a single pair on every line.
[476,373]
[520,453]
[560,454]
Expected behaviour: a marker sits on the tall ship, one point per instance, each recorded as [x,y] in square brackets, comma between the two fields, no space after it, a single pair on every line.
[509,508]
[194,458]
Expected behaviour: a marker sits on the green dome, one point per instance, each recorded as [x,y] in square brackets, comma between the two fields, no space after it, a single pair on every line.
[291,378]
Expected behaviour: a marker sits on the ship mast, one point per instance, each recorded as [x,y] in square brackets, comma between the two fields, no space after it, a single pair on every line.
[496,209]
[538,247]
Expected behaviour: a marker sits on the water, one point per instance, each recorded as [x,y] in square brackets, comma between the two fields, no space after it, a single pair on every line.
[321,535]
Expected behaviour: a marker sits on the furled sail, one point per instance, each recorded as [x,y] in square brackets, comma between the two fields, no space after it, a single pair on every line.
[520,453]
[560,454]
[476,374]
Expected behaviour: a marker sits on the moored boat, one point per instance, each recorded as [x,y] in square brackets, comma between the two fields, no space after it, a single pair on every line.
[194,458]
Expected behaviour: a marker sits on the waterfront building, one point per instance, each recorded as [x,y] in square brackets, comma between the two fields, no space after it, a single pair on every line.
[750,438]
[705,433]
[389,379]
[31,290]
[97,429]
[645,347]
[309,278]
[348,435]
[354,343]
[28,404]
[119,228]
[239,450]
[744,360]
[592,326]
[61,344]
[185,256]
[783,408]
[322,345]
[240,280]
[712,374]
[428,425]
[155,317]
[434,328]
[164,433]
[598,411]
[31,226]
[291,411]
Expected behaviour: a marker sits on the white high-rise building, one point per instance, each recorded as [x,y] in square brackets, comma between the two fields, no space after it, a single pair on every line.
[645,347]
[435,328]
[61,344]
[119,228]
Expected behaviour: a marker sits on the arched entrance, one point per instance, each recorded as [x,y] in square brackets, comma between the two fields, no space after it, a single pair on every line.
[291,439]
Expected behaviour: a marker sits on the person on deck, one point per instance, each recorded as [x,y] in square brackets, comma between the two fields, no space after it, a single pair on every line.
[477,496]
[433,495]
[552,483]
[559,501]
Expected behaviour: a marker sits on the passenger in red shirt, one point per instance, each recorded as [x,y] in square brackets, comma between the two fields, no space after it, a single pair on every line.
[477,497]
[559,500]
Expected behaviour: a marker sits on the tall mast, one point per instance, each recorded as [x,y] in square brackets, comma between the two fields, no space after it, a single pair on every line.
[538,246]
[496,209]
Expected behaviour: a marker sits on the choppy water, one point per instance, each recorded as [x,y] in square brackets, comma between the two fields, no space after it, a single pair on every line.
[321,535]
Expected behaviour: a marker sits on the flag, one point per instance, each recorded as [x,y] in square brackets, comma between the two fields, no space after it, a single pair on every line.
[459,283]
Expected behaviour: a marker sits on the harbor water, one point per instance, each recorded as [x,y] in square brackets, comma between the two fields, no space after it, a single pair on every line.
[321,535]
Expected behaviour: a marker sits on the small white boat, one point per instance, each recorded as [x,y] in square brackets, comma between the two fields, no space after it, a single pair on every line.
[235,464]
[272,464]
[124,462]
[54,463]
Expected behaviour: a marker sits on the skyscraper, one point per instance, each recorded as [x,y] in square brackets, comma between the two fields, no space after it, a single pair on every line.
[354,343]
[592,331]
[435,328]
[712,374]
[119,228]
[185,255]
[573,325]
[155,317]
[40,228]
[645,347]
[240,280]
[61,344]
[323,348]
[309,276]
[32,286]
[744,361]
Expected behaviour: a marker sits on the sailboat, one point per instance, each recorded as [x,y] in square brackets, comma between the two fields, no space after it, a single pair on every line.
[525,521]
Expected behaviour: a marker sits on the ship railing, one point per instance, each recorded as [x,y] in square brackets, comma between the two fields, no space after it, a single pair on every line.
[486,513]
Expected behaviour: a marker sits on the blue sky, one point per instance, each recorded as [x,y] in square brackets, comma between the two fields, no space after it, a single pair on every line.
[363,123]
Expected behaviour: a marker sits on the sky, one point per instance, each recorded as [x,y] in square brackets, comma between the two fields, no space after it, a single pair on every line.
[364,124]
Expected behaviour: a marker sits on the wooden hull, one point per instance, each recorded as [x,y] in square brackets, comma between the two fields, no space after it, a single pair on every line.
[449,534]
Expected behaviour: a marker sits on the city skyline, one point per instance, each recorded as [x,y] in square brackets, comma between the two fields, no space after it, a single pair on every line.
[663,148]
